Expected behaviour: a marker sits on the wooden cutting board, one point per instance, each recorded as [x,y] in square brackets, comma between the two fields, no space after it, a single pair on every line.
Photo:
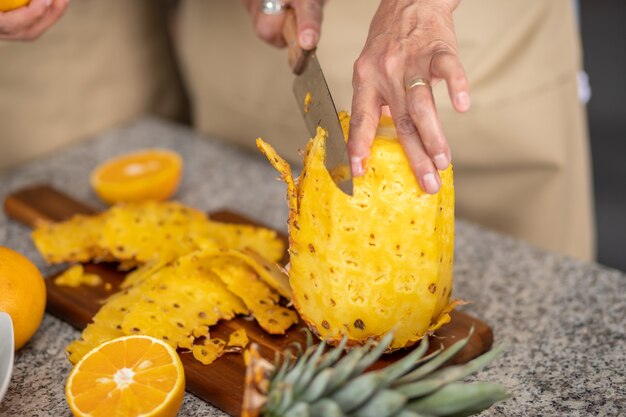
[220,383]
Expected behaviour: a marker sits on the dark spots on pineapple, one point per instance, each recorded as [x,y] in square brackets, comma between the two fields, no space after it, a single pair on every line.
[445,289]
[135,330]
[261,301]
[272,321]
[202,315]
[351,262]
[441,259]
[121,248]
[311,248]
[412,221]
[306,297]
[204,352]
[153,317]
[275,159]
[176,305]
[163,287]
[435,229]
[285,314]
[165,338]
[422,254]
[325,325]
[372,236]
[332,303]
[332,270]
[216,342]
[168,236]
[295,224]
[267,268]
[149,301]
[118,327]
[440,208]
[123,309]
[432,288]
[179,324]
[358,324]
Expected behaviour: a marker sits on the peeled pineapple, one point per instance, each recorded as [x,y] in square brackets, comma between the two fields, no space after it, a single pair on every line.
[377,261]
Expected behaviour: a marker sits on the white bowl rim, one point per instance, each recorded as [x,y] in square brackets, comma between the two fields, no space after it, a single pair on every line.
[7,353]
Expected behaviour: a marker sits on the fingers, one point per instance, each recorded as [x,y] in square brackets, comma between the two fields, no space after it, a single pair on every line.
[422,111]
[30,22]
[447,66]
[309,16]
[363,124]
[54,13]
[416,153]
[270,28]
[16,21]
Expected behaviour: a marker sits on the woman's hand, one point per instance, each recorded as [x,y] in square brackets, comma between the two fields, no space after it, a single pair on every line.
[411,44]
[30,22]
[270,28]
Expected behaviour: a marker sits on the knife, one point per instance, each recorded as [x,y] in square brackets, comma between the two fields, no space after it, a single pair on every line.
[317,106]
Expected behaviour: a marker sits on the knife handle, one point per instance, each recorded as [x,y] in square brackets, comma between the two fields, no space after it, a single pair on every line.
[297,56]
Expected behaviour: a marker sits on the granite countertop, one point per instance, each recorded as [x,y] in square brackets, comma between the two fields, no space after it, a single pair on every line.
[563,320]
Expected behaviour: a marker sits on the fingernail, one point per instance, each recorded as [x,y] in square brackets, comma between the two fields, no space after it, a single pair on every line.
[356,164]
[308,39]
[463,101]
[441,161]
[48,3]
[431,183]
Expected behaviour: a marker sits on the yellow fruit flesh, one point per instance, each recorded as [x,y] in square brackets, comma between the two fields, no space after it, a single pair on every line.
[130,376]
[145,175]
[378,261]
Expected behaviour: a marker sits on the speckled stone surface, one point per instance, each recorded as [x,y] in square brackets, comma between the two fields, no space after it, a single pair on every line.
[563,320]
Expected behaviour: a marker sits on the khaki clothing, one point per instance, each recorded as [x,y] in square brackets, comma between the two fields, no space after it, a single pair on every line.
[103,64]
[520,155]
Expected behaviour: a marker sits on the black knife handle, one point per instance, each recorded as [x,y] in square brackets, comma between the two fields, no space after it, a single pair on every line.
[297,56]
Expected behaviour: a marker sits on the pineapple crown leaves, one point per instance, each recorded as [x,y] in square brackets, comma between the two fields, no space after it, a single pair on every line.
[310,383]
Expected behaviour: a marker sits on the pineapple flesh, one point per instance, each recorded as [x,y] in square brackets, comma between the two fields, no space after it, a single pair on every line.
[377,261]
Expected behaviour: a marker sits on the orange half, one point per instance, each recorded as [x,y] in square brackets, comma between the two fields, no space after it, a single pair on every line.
[129,376]
[150,174]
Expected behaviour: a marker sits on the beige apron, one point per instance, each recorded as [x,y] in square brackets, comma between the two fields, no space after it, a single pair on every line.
[104,63]
[521,155]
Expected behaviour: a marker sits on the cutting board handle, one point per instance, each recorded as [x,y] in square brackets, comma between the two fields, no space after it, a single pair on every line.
[42,203]
[297,56]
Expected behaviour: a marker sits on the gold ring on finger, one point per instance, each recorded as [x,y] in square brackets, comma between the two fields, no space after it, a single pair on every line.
[416,82]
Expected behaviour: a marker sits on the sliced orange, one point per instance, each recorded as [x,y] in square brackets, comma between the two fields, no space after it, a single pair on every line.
[149,174]
[129,376]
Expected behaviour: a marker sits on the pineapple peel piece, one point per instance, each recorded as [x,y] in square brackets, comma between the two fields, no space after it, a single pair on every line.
[237,340]
[257,295]
[377,261]
[151,230]
[243,237]
[209,351]
[284,169]
[73,240]
[75,276]
[269,272]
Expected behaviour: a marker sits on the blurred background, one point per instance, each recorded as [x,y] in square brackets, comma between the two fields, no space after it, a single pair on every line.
[603,27]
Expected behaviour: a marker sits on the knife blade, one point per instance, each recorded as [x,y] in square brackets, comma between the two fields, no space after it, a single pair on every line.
[317,106]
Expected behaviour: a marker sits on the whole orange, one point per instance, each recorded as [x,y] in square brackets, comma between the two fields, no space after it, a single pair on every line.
[6,5]
[22,294]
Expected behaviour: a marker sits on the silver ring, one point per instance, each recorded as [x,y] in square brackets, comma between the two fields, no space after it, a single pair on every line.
[272,7]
